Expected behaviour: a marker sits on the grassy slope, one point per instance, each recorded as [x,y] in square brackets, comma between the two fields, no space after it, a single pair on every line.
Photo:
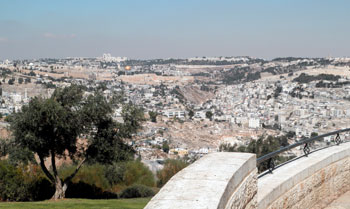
[81,203]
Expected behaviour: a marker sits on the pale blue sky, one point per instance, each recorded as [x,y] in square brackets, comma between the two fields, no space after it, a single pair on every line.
[174,28]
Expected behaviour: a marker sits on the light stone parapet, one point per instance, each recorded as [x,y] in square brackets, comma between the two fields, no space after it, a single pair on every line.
[217,180]
[229,180]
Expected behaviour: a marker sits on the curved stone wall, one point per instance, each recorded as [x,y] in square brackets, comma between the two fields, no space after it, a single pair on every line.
[229,180]
[218,180]
[308,182]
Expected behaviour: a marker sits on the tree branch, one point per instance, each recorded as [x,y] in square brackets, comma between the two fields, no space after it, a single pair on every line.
[43,167]
[53,162]
[68,179]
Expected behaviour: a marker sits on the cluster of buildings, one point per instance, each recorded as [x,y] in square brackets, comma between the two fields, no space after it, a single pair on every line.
[256,105]
[109,58]
[279,104]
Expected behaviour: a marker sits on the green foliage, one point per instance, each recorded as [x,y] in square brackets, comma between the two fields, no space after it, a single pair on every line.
[100,181]
[277,92]
[20,80]
[115,173]
[93,174]
[31,73]
[209,115]
[253,76]
[11,81]
[90,182]
[16,155]
[137,191]
[51,127]
[240,74]
[85,190]
[178,94]
[21,184]
[27,80]
[106,146]
[304,78]
[165,147]
[137,173]
[191,114]
[45,126]
[260,147]
[5,72]
[49,85]
[153,116]
[290,134]
[11,185]
[225,147]
[133,117]
[20,156]
[4,147]
[171,167]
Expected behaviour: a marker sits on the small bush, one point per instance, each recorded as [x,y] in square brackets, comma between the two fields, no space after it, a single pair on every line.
[137,191]
[115,173]
[171,167]
[137,173]
[90,174]
[104,181]
[18,184]
[12,185]
[41,189]
[84,190]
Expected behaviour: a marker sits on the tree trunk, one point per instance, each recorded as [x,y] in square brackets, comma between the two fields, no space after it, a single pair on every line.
[61,188]
[60,192]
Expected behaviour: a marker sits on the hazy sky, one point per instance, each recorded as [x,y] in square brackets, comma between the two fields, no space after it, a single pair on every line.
[174,28]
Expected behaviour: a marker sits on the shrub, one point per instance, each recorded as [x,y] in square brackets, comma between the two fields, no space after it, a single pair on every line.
[17,184]
[165,147]
[137,173]
[12,185]
[41,188]
[137,191]
[171,167]
[104,181]
[85,190]
[115,173]
[90,174]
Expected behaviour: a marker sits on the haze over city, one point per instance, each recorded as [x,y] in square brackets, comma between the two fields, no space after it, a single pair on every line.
[179,29]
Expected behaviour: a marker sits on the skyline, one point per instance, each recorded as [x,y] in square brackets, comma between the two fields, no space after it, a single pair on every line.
[163,29]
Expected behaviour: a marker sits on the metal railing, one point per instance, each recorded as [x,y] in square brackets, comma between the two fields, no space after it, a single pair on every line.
[270,157]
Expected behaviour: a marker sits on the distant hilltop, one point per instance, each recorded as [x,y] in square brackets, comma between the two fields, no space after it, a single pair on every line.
[107,57]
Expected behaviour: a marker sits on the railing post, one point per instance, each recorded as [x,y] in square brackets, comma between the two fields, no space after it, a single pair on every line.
[271,164]
[337,139]
[306,149]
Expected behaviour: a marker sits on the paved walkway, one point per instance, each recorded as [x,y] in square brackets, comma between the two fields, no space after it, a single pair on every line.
[343,202]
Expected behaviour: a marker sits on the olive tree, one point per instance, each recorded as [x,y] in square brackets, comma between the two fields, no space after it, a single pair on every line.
[71,124]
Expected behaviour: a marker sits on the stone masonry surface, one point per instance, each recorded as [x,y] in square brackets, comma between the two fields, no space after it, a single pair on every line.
[309,182]
[246,194]
[211,182]
[229,180]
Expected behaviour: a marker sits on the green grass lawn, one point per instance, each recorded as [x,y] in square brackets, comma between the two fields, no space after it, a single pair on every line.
[136,203]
